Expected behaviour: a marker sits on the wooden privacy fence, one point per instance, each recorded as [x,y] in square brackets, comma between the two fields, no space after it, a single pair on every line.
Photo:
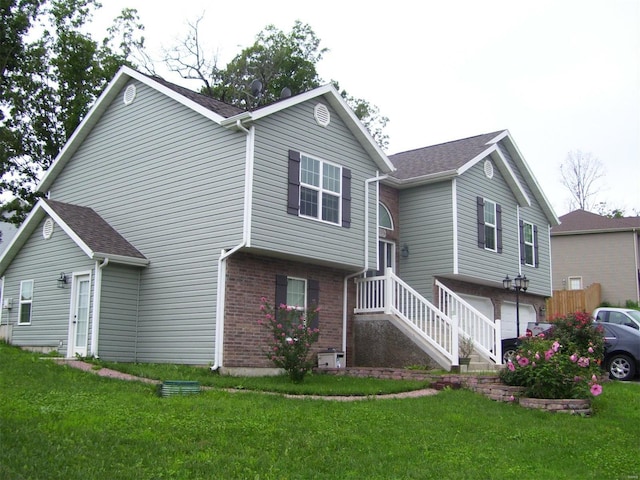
[564,302]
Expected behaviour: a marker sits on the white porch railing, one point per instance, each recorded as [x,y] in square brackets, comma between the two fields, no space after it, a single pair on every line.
[485,332]
[389,294]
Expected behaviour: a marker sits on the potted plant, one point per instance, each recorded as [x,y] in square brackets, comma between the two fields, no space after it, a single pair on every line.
[465,348]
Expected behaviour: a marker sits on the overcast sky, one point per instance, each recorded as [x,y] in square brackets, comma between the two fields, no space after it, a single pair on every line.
[560,75]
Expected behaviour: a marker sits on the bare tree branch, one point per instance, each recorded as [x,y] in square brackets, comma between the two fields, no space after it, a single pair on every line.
[580,173]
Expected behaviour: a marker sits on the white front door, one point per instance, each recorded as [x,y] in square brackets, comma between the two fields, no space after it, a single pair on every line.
[79,326]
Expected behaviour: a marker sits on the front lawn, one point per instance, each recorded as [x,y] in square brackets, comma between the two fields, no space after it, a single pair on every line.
[60,423]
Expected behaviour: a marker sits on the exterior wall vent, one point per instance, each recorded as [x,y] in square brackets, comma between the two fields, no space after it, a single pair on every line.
[322,114]
[129,95]
[47,229]
[488,168]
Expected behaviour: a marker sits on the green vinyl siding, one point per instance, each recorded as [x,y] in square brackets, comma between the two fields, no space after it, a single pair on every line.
[473,261]
[42,261]
[426,217]
[273,228]
[119,313]
[172,183]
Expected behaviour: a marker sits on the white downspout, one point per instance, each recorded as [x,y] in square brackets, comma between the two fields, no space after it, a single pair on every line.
[345,312]
[246,242]
[97,296]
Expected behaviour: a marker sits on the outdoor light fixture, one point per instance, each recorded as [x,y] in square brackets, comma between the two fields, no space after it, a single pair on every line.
[519,283]
[405,251]
[62,280]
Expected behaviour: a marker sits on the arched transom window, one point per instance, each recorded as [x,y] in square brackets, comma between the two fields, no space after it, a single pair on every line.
[384,217]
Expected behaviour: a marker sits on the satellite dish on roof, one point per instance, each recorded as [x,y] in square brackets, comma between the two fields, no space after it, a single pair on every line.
[256,88]
[285,93]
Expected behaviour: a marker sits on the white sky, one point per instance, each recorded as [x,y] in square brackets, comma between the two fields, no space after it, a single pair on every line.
[559,75]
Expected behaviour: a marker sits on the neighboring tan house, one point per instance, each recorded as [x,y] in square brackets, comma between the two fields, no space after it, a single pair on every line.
[168,215]
[588,248]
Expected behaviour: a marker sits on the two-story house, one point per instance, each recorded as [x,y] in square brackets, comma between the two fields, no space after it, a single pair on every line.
[168,215]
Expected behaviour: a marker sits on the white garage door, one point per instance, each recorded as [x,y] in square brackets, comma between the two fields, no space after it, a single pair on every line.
[482,304]
[527,314]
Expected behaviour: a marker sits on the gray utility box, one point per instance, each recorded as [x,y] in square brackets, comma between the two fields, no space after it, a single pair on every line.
[330,360]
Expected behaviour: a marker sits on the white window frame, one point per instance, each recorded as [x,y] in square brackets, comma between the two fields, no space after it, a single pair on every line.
[529,246]
[492,225]
[304,293]
[23,302]
[321,189]
[570,282]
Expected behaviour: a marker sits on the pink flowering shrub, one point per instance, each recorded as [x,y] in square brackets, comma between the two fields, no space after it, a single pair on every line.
[563,364]
[291,338]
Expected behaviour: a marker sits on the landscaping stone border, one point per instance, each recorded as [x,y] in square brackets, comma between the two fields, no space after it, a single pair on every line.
[488,385]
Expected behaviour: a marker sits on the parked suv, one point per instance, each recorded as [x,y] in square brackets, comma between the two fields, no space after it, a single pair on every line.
[619,316]
[621,351]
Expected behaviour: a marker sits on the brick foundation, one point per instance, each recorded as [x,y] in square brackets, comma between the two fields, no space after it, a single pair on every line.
[251,277]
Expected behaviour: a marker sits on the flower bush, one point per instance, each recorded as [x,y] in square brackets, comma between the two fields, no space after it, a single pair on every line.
[291,338]
[563,364]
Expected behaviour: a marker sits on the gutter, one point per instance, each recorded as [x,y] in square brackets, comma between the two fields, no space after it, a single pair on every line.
[367,182]
[226,253]
[97,296]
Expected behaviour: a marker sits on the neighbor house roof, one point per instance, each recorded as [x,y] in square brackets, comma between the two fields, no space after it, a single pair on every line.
[88,230]
[446,161]
[581,221]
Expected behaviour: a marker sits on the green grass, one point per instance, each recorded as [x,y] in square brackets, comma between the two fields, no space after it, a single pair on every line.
[313,384]
[60,423]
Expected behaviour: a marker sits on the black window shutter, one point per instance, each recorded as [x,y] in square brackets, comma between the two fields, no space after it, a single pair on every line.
[480,210]
[293,201]
[281,291]
[499,227]
[346,197]
[535,246]
[313,299]
[523,253]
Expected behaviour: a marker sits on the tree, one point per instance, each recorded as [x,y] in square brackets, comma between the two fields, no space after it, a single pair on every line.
[276,63]
[48,85]
[580,174]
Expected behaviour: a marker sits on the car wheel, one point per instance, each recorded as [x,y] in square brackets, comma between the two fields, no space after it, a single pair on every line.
[509,354]
[621,367]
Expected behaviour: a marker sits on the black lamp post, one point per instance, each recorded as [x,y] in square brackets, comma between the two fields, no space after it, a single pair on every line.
[519,283]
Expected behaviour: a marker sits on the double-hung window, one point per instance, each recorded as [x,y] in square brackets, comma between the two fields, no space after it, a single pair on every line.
[297,293]
[490,225]
[489,215]
[26,302]
[320,189]
[528,244]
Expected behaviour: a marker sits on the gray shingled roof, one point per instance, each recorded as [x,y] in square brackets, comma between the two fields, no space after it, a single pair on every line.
[440,158]
[221,108]
[93,230]
[583,221]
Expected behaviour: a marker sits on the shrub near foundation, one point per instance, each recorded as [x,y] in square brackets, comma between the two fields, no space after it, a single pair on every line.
[564,364]
[291,338]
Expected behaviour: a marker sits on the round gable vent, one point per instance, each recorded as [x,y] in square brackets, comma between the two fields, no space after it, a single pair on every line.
[322,115]
[129,95]
[488,168]
[47,229]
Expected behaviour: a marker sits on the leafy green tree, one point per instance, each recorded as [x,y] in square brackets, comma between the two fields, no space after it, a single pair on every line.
[47,85]
[277,62]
